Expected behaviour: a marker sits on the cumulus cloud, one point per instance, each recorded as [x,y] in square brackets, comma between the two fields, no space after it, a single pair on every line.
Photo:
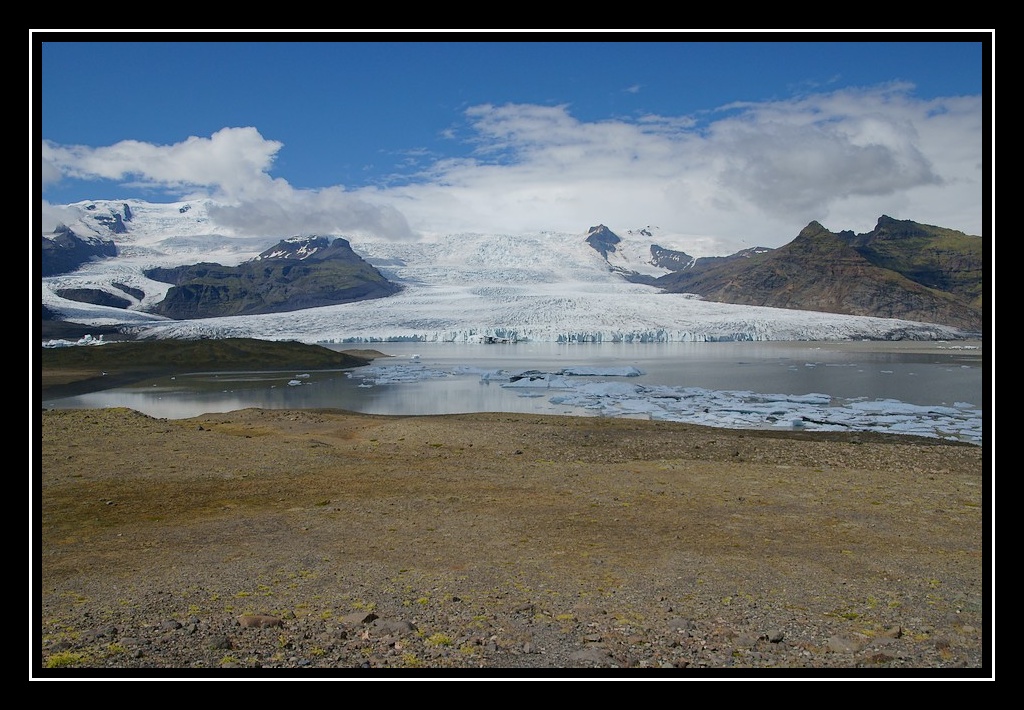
[232,160]
[800,156]
[754,172]
[744,174]
[231,166]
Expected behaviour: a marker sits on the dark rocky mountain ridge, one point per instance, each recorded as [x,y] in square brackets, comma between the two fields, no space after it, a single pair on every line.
[901,269]
[65,251]
[295,274]
[602,239]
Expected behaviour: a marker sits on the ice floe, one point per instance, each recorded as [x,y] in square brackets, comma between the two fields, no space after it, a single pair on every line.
[738,409]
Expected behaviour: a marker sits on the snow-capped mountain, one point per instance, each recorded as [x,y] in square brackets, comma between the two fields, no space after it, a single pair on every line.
[542,286]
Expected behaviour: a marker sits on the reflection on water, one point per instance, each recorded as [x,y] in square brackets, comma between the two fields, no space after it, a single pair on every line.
[915,373]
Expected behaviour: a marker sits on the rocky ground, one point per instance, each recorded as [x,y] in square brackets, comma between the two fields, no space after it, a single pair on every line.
[331,544]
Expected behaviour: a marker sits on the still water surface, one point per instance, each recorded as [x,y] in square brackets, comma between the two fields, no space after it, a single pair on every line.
[914,373]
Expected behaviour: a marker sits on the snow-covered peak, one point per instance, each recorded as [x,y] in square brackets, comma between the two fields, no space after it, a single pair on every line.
[145,221]
[296,248]
[157,234]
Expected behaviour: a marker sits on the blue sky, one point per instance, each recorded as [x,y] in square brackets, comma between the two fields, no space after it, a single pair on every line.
[726,143]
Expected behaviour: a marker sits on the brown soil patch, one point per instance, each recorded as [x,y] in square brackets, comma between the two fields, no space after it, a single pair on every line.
[602,528]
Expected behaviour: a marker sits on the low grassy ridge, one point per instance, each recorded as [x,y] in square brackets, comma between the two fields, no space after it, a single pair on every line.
[119,363]
[201,355]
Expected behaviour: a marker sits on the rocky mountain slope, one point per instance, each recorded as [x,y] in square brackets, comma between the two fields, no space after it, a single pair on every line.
[295,274]
[64,251]
[901,269]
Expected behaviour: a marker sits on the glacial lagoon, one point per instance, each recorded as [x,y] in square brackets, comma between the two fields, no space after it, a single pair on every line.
[930,388]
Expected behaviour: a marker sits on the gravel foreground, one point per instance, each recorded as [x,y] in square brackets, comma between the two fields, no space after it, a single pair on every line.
[327,544]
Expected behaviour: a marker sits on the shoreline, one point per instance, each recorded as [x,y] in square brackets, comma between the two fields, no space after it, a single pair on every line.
[56,383]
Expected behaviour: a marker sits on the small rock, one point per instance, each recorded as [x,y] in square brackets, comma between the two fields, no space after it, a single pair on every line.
[258,621]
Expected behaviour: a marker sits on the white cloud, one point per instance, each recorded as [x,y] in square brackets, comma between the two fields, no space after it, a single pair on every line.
[232,160]
[49,173]
[745,174]
[55,215]
[284,211]
[231,166]
[853,155]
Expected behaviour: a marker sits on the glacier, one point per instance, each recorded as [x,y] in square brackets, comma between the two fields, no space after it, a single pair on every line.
[544,287]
